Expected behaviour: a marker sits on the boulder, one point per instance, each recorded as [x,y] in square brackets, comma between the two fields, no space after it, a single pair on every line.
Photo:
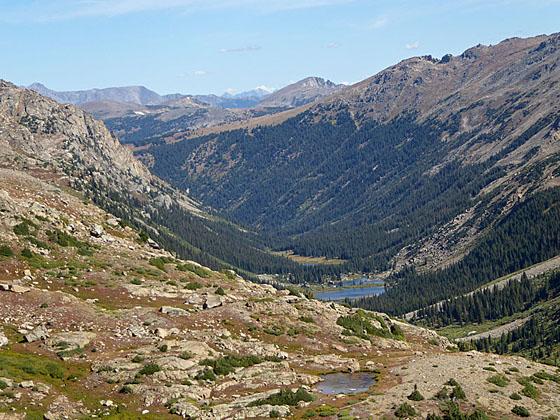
[27,384]
[169,310]
[161,332]
[3,340]
[38,333]
[212,301]
[113,222]
[153,244]
[73,339]
[96,231]
[16,288]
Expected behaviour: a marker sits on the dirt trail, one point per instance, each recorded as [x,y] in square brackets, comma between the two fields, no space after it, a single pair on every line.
[498,331]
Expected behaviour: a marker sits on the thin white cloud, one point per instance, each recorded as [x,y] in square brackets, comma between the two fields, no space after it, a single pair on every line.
[54,10]
[248,48]
[412,46]
[332,45]
[200,73]
[379,22]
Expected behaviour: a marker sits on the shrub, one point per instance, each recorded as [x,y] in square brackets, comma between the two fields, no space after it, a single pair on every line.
[22,229]
[3,385]
[515,396]
[274,414]
[6,251]
[284,397]
[415,396]
[547,376]
[193,285]
[26,253]
[149,369]
[405,410]
[520,411]
[220,292]
[138,359]
[326,410]
[206,375]
[531,391]
[127,389]
[274,330]
[136,281]
[442,394]
[199,271]
[458,393]
[452,382]
[227,364]
[163,348]
[159,262]
[307,319]
[186,355]
[360,325]
[498,380]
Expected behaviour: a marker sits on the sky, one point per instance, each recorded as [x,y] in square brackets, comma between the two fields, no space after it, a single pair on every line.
[214,46]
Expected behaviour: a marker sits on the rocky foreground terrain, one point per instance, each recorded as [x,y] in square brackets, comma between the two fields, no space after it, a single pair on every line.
[97,320]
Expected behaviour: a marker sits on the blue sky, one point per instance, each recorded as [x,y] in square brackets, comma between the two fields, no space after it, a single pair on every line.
[210,46]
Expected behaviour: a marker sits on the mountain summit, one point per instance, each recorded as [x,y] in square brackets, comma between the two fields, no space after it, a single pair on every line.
[300,93]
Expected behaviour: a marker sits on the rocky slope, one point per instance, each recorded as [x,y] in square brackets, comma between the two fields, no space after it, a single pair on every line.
[96,322]
[39,132]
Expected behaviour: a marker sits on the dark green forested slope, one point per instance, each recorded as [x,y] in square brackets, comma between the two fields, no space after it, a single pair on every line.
[330,188]
[529,234]
[537,299]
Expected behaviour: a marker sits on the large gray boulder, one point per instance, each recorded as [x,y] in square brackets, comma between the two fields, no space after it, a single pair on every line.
[38,333]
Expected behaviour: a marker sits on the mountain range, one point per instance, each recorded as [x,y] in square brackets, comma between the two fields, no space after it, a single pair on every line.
[409,168]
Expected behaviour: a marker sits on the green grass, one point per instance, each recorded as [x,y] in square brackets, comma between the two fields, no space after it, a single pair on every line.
[227,364]
[149,369]
[405,410]
[159,262]
[285,397]
[20,367]
[520,411]
[64,240]
[453,332]
[193,285]
[199,271]
[361,325]
[498,380]
[6,251]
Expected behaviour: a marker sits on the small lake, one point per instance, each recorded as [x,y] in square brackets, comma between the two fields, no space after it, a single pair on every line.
[352,290]
[345,383]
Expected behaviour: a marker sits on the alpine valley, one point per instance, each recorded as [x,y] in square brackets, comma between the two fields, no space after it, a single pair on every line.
[159,253]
